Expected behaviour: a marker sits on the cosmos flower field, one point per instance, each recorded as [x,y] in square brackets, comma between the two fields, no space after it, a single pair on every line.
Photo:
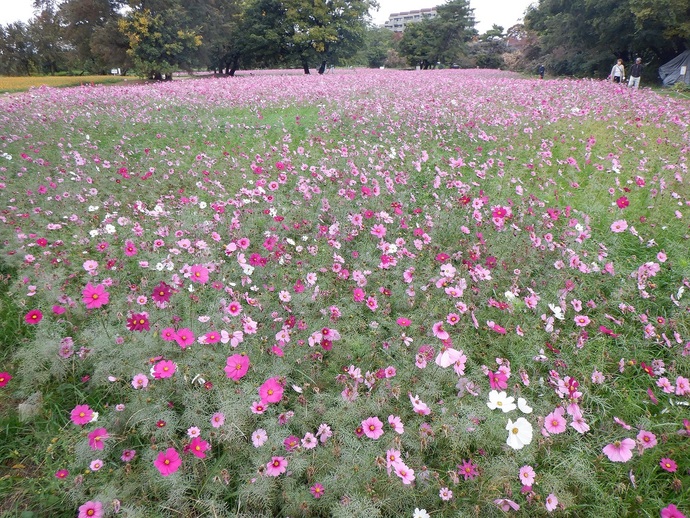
[373,293]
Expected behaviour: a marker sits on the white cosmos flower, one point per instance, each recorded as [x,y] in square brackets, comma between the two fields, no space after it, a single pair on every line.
[519,433]
[557,311]
[523,406]
[501,400]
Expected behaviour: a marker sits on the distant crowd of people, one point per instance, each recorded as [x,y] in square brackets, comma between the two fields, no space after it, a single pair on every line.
[617,74]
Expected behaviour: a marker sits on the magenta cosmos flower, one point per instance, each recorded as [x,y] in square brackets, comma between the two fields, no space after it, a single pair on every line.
[271,391]
[33,317]
[619,451]
[197,447]
[138,322]
[94,297]
[373,427]
[81,414]
[316,490]
[5,378]
[168,462]
[161,293]
[91,510]
[164,369]
[671,511]
[97,437]
[184,337]
[237,366]
[276,467]
[668,464]
[199,274]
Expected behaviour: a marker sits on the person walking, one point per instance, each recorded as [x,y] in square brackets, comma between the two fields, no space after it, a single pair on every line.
[618,72]
[635,73]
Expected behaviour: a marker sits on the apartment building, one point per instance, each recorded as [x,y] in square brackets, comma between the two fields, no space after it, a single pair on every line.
[397,21]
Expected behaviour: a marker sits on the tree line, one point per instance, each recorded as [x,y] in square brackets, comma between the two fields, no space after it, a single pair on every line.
[154,38]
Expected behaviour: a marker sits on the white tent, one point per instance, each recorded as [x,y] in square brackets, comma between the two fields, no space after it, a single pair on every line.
[677,70]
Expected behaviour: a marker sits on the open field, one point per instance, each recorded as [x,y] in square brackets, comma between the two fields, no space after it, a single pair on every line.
[362,294]
[22,83]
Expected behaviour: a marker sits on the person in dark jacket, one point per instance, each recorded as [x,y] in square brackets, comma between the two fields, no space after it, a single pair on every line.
[635,73]
[541,71]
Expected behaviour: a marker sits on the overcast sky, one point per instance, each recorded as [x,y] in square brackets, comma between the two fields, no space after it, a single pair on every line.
[486,12]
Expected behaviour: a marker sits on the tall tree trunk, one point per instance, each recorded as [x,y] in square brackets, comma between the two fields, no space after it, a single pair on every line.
[322,68]
[305,66]
[235,65]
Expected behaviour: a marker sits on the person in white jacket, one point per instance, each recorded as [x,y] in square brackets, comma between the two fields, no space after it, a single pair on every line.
[618,72]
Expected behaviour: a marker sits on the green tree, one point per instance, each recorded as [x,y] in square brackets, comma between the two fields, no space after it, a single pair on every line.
[442,39]
[585,37]
[46,34]
[83,22]
[159,43]
[16,51]
[323,30]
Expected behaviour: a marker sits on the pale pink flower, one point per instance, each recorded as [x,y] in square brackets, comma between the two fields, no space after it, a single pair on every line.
[527,475]
[555,423]
[395,423]
[551,502]
[404,472]
[619,451]
[619,226]
[259,437]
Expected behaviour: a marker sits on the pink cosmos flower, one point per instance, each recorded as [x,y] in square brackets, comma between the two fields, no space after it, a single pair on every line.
[445,494]
[506,505]
[396,423]
[184,337]
[682,386]
[164,369]
[91,510]
[555,423]
[33,317]
[551,502]
[619,451]
[527,475]
[97,437]
[316,491]
[217,420]
[373,427]
[140,381]
[234,308]
[128,455]
[671,511]
[668,465]
[212,337]
[130,249]
[582,320]
[405,473]
[404,322]
[95,296]
[468,470]
[81,414]
[271,391]
[439,332]
[237,366]
[372,303]
[168,462]
[199,274]
[619,226]
[197,447]
[358,294]
[646,439]
[276,467]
